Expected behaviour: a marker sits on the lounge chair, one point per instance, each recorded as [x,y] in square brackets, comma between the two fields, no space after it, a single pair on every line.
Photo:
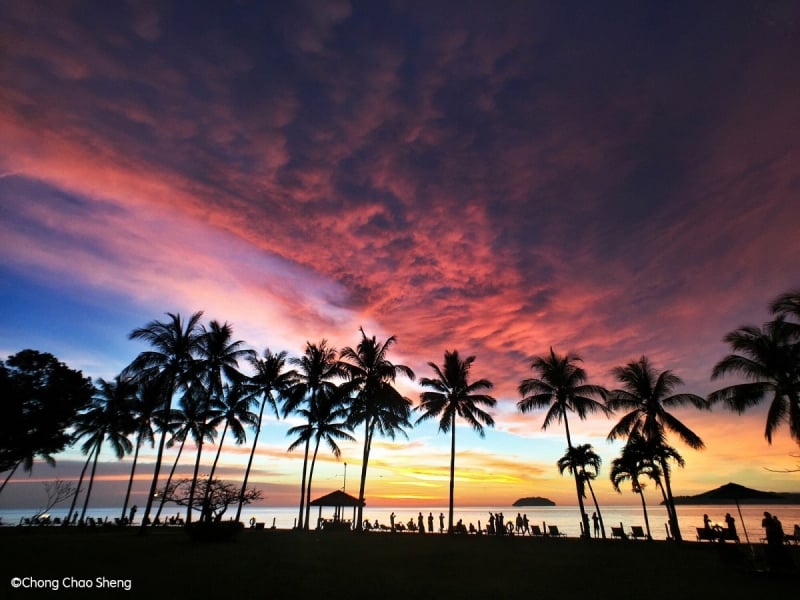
[618,532]
[706,535]
[638,533]
[536,531]
[554,532]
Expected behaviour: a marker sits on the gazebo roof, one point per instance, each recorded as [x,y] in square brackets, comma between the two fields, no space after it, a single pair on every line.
[337,498]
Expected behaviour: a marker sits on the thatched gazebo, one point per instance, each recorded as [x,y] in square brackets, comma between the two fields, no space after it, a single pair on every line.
[338,500]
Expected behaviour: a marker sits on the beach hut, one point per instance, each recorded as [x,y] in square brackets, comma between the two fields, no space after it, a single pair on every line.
[338,500]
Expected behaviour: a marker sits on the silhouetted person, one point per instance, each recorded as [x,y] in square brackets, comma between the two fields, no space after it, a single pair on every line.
[430,522]
[777,558]
[730,523]
[490,525]
[391,520]
[526,528]
[519,523]
[441,522]
[596,521]
[421,523]
[132,514]
[706,523]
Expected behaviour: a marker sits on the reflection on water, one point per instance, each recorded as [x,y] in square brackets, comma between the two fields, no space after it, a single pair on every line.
[566,518]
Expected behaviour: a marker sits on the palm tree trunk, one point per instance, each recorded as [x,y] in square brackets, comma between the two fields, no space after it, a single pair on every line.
[584,517]
[597,508]
[169,479]
[303,487]
[452,472]
[250,460]
[674,526]
[193,486]
[14,470]
[644,510]
[159,457]
[130,479]
[308,486]
[78,489]
[91,479]
[363,483]
[207,495]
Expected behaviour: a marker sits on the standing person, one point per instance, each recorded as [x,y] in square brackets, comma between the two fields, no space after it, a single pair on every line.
[441,522]
[421,523]
[518,524]
[430,522]
[498,522]
[391,520]
[596,521]
[730,523]
[525,524]
[132,514]
[490,526]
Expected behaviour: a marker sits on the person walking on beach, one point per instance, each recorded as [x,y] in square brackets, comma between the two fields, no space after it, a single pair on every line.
[441,522]
[525,524]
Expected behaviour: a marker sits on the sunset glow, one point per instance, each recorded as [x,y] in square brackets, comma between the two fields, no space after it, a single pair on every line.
[615,182]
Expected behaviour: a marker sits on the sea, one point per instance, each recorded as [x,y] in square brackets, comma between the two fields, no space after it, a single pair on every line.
[566,518]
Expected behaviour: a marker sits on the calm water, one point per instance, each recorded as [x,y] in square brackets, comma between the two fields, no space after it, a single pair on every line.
[566,518]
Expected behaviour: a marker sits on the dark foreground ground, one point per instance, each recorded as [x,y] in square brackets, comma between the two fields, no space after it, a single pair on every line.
[285,564]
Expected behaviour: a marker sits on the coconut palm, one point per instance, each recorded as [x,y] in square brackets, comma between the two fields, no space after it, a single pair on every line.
[143,406]
[316,369]
[583,459]
[768,359]
[272,382]
[235,412]
[326,419]
[376,402]
[788,306]
[634,463]
[453,395]
[646,397]
[561,388]
[175,345]
[218,357]
[107,420]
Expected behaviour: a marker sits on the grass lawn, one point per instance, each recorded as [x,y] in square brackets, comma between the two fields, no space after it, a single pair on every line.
[284,564]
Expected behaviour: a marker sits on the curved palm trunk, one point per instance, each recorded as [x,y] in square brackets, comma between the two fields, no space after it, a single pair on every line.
[452,472]
[169,479]
[597,508]
[303,487]
[308,487]
[586,533]
[368,430]
[644,510]
[250,460]
[214,467]
[193,486]
[91,480]
[674,526]
[159,458]
[78,489]
[14,470]
[130,479]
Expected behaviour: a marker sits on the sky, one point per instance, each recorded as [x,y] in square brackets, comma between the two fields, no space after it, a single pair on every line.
[612,179]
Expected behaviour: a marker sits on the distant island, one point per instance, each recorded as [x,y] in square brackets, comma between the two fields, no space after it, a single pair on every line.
[733,492]
[534,501]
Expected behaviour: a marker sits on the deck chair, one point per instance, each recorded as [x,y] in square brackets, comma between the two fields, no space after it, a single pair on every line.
[536,531]
[554,532]
[618,532]
[638,533]
[705,535]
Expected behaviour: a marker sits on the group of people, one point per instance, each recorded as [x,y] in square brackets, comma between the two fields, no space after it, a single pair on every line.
[718,531]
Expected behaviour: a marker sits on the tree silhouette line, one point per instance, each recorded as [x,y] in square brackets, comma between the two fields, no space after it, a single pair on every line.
[189,385]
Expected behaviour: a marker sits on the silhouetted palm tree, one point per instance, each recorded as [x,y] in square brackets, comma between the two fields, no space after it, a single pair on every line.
[768,359]
[107,420]
[634,463]
[647,395]
[788,306]
[561,388]
[175,345]
[272,383]
[316,369]
[236,414]
[453,395]
[143,406]
[203,415]
[326,419]
[376,403]
[583,459]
